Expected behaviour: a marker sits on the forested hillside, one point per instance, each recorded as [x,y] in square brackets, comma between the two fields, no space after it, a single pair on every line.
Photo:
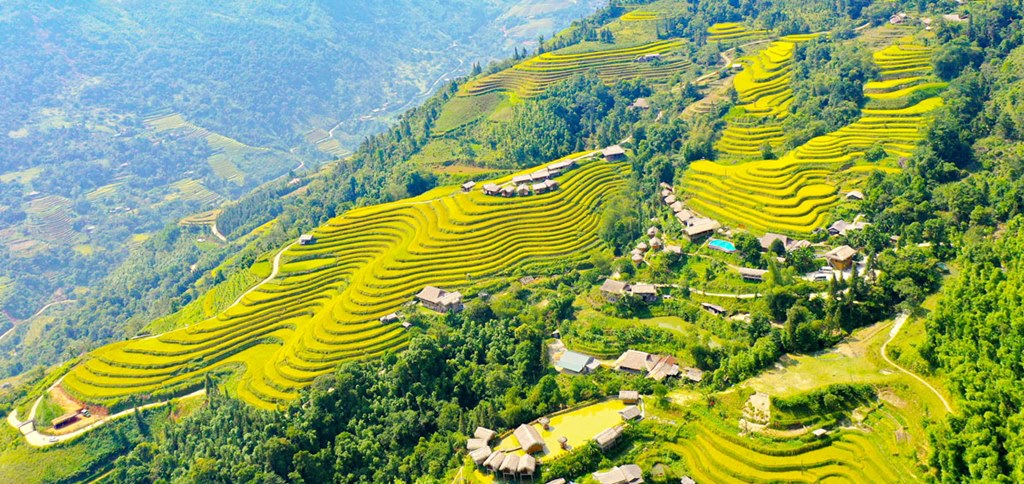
[122,119]
[759,242]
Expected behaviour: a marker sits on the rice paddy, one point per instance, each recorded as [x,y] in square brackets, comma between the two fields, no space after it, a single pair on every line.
[733,32]
[794,193]
[764,95]
[323,307]
[716,454]
[640,16]
[578,426]
[653,61]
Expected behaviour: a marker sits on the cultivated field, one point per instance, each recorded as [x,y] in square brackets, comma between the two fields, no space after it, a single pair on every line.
[532,76]
[765,94]
[794,193]
[732,32]
[323,308]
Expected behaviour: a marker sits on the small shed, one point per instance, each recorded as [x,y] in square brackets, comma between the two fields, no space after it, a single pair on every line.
[389,318]
[713,308]
[473,444]
[521,179]
[752,274]
[307,239]
[527,466]
[508,191]
[523,190]
[575,363]
[631,412]
[855,195]
[656,243]
[653,231]
[468,186]
[493,463]
[629,396]
[646,292]
[640,103]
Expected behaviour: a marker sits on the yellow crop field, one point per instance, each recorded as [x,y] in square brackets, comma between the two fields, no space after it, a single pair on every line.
[640,16]
[653,61]
[323,306]
[734,32]
[794,193]
[714,454]
[764,96]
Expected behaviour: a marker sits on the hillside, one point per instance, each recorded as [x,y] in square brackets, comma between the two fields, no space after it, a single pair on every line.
[122,118]
[682,242]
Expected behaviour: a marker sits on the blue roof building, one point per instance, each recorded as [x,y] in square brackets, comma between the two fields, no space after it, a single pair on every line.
[575,362]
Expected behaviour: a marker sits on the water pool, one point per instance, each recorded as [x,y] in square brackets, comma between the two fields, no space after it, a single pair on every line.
[722,245]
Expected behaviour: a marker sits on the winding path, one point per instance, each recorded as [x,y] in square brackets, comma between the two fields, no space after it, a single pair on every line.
[40,311]
[900,320]
[273,273]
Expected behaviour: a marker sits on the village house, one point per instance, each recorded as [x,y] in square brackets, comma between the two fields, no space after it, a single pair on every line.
[540,175]
[389,318]
[648,58]
[508,191]
[307,239]
[491,189]
[493,463]
[841,258]
[440,300]
[509,465]
[521,179]
[640,103]
[64,420]
[612,290]
[523,190]
[607,438]
[529,439]
[545,186]
[677,206]
[468,186]
[694,374]
[637,258]
[699,228]
[749,274]
[674,249]
[714,309]
[614,153]
[561,166]
[670,199]
[653,231]
[527,466]
[480,455]
[855,195]
[684,217]
[577,363]
[627,474]
[646,292]
[665,367]
[629,396]
[842,227]
[485,434]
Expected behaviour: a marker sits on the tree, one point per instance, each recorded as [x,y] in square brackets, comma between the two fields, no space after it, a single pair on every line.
[749,249]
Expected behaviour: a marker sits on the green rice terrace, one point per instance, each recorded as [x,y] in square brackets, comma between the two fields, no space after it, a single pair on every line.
[652,61]
[323,306]
[794,193]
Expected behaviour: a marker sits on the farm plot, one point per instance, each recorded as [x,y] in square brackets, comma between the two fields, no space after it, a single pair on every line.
[231,160]
[906,71]
[733,32]
[716,454]
[654,61]
[49,219]
[794,193]
[641,16]
[765,94]
[323,307]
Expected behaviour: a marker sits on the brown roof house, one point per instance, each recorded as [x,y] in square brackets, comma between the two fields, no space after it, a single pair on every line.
[614,153]
[608,437]
[440,300]
[613,290]
[640,103]
[646,292]
[627,474]
[529,439]
[697,229]
[841,257]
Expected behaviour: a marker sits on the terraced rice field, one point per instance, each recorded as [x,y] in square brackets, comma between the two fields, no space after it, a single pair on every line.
[714,454]
[640,16]
[195,190]
[324,305]
[765,95]
[49,219]
[232,160]
[733,32]
[794,193]
[533,76]
[906,70]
